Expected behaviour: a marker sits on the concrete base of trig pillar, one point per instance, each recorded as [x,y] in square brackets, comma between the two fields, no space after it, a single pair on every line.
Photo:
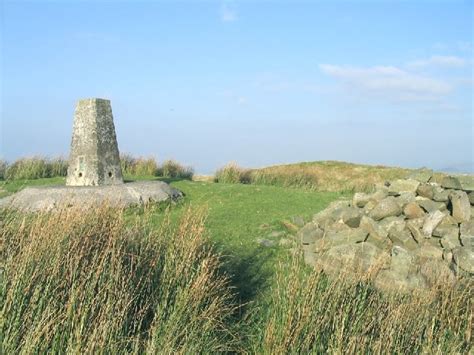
[94,158]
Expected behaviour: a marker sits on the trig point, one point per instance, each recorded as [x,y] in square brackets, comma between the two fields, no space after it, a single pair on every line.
[94,159]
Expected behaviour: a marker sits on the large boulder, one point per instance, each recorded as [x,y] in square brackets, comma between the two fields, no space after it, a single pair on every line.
[386,208]
[399,186]
[460,205]
[332,239]
[464,258]
[440,194]
[413,210]
[353,259]
[426,190]
[431,206]
[422,175]
[459,182]
[402,275]
[310,233]
[431,222]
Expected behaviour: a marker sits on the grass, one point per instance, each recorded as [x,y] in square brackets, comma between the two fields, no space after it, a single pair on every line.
[317,176]
[77,283]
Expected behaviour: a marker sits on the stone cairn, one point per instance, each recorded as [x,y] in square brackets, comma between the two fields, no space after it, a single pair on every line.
[409,234]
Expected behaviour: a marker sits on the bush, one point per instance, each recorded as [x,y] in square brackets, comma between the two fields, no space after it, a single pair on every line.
[172,169]
[233,174]
[75,282]
[36,168]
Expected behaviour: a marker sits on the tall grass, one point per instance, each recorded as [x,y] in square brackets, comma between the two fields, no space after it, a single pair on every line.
[94,283]
[317,176]
[34,168]
[232,174]
[309,313]
[173,169]
[138,166]
[38,167]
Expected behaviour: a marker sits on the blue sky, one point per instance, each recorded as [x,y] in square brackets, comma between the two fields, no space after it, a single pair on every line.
[256,82]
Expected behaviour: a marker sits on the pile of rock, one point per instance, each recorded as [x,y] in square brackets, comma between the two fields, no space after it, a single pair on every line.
[407,235]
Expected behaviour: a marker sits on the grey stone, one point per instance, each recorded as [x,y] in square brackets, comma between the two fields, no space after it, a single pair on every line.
[431,206]
[426,190]
[431,222]
[357,259]
[421,175]
[429,251]
[310,233]
[467,241]
[402,275]
[440,194]
[349,215]
[461,206]
[405,198]
[445,229]
[451,182]
[414,226]
[385,208]
[94,159]
[328,215]
[402,238]
[467,182]
[450,241]
[467,229]
[459,182]
[464,258]
[332,239]
[34,199]
[402,185]
[368,225]
[449,220]
[362,199]
[471,197]
[413,210]
[298,221]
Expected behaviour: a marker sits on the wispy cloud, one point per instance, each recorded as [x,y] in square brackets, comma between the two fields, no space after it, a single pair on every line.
[390,82]
[228,12]
[438,60]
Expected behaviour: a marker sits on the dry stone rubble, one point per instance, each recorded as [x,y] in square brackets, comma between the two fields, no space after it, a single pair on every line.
[408,234]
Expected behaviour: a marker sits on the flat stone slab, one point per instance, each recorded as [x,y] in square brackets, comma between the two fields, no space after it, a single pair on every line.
[33,199]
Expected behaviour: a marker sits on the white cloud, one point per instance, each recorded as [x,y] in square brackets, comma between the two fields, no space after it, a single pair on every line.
[438,60]
[228,12]
[390,82]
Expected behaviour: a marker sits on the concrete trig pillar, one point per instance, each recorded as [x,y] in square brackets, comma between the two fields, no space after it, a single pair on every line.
[94,159]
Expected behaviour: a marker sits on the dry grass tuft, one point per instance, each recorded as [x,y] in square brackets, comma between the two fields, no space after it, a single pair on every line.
[310,313]
[93,283]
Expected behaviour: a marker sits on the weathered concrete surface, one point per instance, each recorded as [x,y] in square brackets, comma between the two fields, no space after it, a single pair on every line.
[34,199]
[94,159]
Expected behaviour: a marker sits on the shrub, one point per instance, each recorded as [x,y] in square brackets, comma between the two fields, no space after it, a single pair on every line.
[87,282]
[173,169]
[233,174]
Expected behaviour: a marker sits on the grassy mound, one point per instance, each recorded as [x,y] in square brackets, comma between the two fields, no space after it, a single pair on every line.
[317,176]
